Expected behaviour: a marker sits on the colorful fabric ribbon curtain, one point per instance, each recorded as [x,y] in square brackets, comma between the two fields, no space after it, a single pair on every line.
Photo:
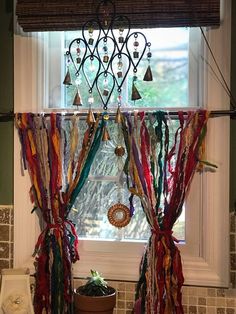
[58,167]
[159,168]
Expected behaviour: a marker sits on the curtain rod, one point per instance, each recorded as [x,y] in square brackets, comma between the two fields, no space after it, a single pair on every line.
[9,116]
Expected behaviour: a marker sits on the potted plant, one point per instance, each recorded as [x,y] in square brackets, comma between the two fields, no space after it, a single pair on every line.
[95,296]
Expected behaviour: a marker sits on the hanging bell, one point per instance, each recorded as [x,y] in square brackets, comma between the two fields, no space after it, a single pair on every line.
[119,74]
[118,118]
[67,79]
[77,99]
[90,41]
[135,93]
[148,75]
[90,117]
[105,135]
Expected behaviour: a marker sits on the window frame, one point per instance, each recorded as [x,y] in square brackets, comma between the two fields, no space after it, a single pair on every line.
[210,267]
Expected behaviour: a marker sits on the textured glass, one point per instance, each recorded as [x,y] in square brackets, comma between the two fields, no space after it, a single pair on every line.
[106,187]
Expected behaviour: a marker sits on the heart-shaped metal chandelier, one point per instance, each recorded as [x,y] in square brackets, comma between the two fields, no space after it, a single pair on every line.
[104,55]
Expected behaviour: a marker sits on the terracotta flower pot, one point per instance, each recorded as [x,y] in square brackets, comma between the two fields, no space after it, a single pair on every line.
[88,305]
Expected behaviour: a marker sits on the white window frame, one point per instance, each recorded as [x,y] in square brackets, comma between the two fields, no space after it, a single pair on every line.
[210,267]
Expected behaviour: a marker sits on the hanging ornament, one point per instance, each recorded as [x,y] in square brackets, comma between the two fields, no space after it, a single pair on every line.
[135,93]
[120,66]
[105,49]
[118,118]
[119,151]
[121,38]
[90,117]
[105,135]
[119,215]
[148,75]
[67,80]
[78,59]
[91,40]
[77,100]
[136,44]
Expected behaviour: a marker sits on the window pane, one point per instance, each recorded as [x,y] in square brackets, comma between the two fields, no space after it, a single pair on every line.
[169,64]
[106,187]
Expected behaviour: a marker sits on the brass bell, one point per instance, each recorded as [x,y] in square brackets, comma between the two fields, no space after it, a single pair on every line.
[90,117]
[105,135]
[77,99]
[67,79]
[135,93]
[118,118]
[148,75]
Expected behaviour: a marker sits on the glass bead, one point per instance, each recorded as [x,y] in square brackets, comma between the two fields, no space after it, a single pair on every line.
[135,78]
[136,43]
[91,100]
[78,50]
[78,60]
[105,49]
[90,30]
[136,54]
[120,65]
[105,58]
[90,41]
[121,40]
[119,74]
[106,116]
[149,54]
[105,92]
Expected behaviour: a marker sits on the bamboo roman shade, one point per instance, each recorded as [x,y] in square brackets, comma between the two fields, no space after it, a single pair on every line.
[44,15]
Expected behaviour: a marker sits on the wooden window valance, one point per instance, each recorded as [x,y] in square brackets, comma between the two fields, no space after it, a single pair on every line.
[46,15]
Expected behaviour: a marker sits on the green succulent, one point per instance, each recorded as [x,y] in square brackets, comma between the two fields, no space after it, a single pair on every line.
[95,286]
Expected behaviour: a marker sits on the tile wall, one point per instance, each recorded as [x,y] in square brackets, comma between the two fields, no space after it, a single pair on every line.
[196,300]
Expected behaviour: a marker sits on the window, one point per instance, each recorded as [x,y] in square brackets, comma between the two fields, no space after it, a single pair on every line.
[202,260]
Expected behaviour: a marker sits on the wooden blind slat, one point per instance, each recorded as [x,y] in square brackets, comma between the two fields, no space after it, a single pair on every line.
[72,14]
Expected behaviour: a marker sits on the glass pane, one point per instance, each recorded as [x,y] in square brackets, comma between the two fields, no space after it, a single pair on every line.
[169,64]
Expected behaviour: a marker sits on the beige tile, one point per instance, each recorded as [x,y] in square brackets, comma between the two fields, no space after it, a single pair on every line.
[121,295]
[211,301]
[129,305]
[121,286]
[192,291]
[220,302]
[4,250]
[121,311]
[231,293]
[5,216]
[185,300]
[4,233]
[121,304]
[4,264]
[185,290]
[192,309]
[211,310]
[220,292]
[202,301]
[202,292]
[201,310]
[192,300]
[230,302]
[129,296]
[130,286]
[211,292]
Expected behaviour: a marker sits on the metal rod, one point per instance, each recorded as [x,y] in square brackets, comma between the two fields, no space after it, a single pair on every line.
[9,116]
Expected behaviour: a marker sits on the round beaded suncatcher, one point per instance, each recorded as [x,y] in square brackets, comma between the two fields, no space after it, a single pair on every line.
[119,215]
